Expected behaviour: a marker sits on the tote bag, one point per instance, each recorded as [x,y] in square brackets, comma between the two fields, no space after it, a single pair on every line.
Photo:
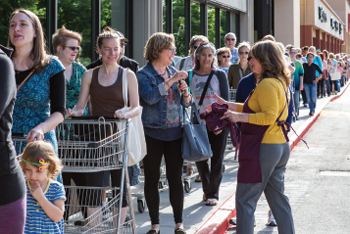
[136,144]
[195,142]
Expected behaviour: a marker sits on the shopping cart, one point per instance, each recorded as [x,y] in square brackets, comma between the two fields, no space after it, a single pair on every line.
[88,145]
[232,98]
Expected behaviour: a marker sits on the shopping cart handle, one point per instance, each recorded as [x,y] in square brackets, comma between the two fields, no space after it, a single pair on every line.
[93,117]
[14,134]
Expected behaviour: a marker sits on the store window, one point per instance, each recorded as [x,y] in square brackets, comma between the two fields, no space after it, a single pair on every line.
[76,16]
[223,27]
[211,24]
[195,19]
[179,27]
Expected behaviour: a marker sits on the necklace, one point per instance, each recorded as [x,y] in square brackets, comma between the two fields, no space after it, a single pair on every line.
[163,74]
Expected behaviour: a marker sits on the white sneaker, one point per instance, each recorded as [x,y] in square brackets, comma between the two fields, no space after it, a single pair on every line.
[271,220]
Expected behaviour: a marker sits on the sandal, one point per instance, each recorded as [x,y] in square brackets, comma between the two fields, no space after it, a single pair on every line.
[190,171]
[211,202]
[198,179]
[152,231]
[204,198]
[179,231]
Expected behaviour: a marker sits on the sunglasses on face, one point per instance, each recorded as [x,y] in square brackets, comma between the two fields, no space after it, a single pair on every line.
[249,58]
[73,48]
[241,52]
[230,39]
[225,56]
[293,52]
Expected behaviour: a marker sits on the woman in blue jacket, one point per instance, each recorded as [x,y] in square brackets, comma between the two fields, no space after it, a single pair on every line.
[162,98]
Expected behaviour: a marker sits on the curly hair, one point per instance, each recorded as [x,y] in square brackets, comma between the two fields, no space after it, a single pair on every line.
[156,44]
[272,61]
[36,150]
[62,36]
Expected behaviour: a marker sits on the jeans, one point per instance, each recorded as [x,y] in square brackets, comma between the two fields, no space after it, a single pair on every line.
[296,99]
[328,85]
[310,90]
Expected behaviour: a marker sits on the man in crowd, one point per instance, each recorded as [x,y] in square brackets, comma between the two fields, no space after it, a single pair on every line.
[230,41]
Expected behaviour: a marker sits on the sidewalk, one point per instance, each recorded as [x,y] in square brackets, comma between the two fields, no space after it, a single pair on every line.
[199,218]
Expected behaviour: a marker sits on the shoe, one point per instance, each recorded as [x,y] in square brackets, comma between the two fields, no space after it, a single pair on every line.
[312,113]
[211,202]
[198,179]
[271,220]
[179,231]
[190,171]
[233,221]
[305,105]
[153,232]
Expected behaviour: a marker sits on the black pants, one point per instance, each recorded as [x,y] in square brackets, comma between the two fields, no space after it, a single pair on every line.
[211,178]
[174,162]
[321,88]
[303,95]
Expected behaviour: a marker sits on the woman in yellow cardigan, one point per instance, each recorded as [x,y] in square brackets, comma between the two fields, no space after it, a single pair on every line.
[264,148]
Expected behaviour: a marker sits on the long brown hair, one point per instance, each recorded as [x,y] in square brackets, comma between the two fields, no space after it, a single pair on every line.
[272,61]
[38,54]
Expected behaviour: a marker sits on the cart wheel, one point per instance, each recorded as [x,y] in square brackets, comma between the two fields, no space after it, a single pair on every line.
[141,206]
[187,186]
[223,168]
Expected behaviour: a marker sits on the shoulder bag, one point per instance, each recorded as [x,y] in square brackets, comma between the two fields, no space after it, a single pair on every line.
[136,144]
[195,142]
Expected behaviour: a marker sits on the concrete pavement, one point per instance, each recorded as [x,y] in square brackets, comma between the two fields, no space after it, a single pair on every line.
[199,218]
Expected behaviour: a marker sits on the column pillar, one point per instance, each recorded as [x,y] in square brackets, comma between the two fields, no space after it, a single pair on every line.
[323,41]
[306,38]
[318,42]
[328,43]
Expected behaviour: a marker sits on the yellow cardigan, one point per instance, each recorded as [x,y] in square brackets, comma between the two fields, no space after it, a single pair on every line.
[267,102]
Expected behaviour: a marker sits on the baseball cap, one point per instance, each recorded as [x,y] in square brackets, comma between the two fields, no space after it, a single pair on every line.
[318,50]
[121,35]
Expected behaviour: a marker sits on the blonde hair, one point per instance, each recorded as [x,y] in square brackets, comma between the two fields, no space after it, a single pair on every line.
[222,51]
[62,35]
[156,44]
[272,61]
[269,37]
[36,150]
[243,44]
[37,54]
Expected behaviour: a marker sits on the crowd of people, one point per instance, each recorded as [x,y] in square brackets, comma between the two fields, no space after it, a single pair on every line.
[269,79]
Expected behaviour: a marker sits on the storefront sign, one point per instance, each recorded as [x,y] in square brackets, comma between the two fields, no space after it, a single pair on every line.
[322,16]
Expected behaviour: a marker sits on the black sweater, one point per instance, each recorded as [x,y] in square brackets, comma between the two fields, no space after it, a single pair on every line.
[310,72]
[11,177]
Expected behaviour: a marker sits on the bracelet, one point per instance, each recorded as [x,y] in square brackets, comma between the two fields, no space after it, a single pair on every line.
[186,96]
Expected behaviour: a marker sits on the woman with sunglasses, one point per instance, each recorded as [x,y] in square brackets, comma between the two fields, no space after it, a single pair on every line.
[163,100]
[237,71]
[41,95]
[203,72]
[188,63]
[264,150]
[223,56]
[66,45]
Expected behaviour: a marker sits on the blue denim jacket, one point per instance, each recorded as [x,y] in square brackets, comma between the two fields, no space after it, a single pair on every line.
[153,97]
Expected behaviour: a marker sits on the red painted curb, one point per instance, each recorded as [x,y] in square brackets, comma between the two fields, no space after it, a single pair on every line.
[218,223]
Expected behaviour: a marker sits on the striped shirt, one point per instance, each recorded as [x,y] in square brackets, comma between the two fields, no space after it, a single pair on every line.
[37,220]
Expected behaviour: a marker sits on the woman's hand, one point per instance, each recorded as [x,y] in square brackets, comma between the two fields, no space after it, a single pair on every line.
[301,87]
[120,114]
[179,75]
[183,87]
[233,116]
[220,100]
[35,134]
[69,113]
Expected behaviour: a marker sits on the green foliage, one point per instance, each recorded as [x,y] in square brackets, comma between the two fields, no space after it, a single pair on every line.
[195,19]
[179,27]
[211,25]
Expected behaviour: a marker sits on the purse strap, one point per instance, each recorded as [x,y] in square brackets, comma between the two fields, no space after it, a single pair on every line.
[125,87]
[206,88]
[193,109]
[25,79]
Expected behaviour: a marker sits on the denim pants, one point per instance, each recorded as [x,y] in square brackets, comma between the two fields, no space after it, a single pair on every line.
[310,90]
[296,100]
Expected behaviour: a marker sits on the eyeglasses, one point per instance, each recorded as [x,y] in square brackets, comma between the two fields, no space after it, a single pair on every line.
[293,52]
[195,47]
[249,58]
[241,52]
[124,44]
[172,50]
[230,39]
[73,48]
[226,56]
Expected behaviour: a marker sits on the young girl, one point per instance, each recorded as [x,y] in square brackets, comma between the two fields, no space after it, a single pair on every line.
[45,197]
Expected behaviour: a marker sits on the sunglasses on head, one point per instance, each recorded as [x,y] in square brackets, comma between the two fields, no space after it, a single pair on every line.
[241,52]
[73,48]
[230,39]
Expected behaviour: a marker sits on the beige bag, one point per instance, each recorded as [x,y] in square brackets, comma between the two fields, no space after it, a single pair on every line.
[136,144]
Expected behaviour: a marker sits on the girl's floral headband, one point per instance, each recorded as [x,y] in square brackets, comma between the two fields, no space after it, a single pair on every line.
[41,165]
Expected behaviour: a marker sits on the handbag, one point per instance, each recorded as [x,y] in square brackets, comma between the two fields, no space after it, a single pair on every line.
[195,142]
[136,144]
